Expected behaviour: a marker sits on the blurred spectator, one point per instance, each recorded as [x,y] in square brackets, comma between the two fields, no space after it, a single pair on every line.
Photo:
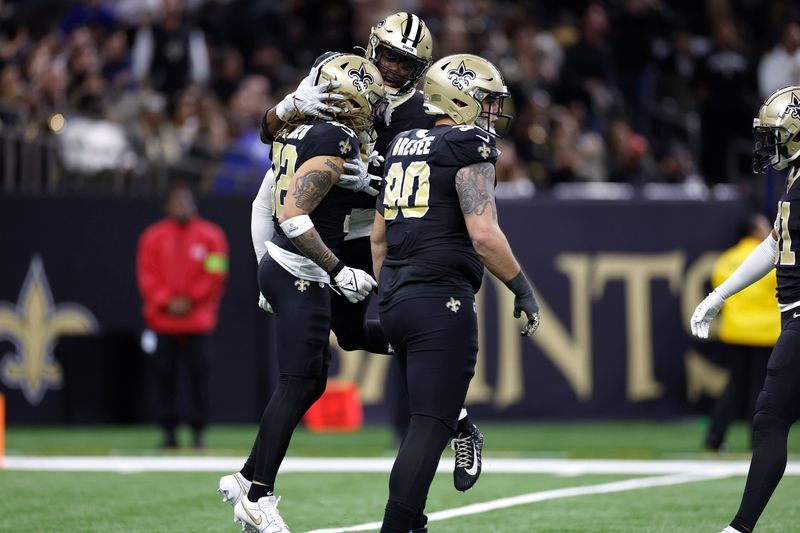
[727,89]
[95,14]
[635,29]
[677,66]
[156,135]
[630,158]
[181,268]
[116,61]
[576,155]
[230,69]
[246,159]
[780,67]
[170,54]
[512,180]
[588,74]
[677,166]
[749,326]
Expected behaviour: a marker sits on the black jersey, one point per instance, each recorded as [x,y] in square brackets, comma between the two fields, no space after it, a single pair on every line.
[289,152]
[407,116]
[429,250]
[787,262]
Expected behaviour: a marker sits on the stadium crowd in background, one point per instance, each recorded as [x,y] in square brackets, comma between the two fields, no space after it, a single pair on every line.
[631,91]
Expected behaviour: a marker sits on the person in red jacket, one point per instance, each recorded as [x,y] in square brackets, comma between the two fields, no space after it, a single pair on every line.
[181,267]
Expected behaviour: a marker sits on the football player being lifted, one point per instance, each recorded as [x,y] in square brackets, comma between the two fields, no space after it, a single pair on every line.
[301,262]
[435,229]
[777,145]
[401,48]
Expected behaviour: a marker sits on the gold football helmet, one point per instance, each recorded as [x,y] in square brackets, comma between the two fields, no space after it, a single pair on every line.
[404,40]
[468,89]
[362,86]
[777,130]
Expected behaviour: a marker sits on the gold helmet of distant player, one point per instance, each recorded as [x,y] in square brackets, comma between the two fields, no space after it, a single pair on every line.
[362,86]
[777,130]
[403,39]
[468,89]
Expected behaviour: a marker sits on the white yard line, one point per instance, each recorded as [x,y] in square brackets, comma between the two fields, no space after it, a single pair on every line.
[524,499]
[563,467]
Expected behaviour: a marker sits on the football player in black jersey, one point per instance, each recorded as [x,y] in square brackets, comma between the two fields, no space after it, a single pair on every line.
[435,229]
[301,262]
[777,145]
[401,47]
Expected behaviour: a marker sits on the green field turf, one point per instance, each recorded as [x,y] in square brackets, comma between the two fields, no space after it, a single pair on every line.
[641,440]
[187,502]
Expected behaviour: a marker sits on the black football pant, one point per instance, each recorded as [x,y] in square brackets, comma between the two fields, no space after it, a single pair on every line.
[748,368]
[436,343]
[777,408]
[173,353]
[354,332]
[349,320]
[302,315]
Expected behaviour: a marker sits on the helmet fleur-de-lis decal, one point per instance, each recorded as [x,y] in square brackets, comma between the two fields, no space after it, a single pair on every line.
[361,78]
[794,108]
[460,76]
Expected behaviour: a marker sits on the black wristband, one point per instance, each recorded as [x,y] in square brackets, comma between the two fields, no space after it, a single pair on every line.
[519,285]
[335,270]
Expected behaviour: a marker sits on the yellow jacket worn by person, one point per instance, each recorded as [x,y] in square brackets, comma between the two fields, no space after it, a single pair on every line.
[750,317]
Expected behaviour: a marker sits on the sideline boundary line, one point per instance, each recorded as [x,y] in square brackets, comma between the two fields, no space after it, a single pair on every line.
[560,467]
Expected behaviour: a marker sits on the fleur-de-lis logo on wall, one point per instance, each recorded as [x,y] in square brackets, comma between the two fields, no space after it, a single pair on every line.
[361,78]
[301,285]
[453,305]
[33,326]
[460,76]
[794,108]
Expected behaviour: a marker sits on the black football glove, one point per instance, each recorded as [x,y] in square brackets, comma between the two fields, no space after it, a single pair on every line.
[524,302]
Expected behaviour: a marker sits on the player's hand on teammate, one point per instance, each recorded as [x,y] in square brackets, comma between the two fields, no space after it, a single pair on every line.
[310,100]
[264,304]
[356,176]
[354,284]
[705,312]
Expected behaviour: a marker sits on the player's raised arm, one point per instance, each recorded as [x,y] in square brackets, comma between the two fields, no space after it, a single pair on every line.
[310,99]
[475,188]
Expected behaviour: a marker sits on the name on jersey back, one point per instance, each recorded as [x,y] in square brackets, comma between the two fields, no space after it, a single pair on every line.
[406,146]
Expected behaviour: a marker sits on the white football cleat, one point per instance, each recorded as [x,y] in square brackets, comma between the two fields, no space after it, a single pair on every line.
[730,529]
[261,516]
[233,488]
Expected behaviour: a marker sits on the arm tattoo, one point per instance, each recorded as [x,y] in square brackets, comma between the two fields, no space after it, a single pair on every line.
[311,188]
[310,245]
[475,187]
[333,166]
